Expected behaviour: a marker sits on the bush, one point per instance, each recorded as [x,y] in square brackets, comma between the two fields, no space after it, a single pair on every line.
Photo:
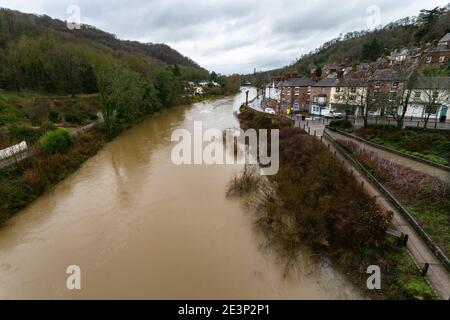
[22,133]
[56,141]
[341,124]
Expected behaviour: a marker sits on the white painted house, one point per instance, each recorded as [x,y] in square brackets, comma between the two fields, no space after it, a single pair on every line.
[437,90]
[273,91]
[351,92]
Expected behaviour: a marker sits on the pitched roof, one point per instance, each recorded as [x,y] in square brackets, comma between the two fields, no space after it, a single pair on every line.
[445,38]
[386,75]
[327,82]
[352,82]
[433,83]
[298,82]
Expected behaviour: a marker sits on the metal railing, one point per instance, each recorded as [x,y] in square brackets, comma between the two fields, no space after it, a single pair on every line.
[391,198]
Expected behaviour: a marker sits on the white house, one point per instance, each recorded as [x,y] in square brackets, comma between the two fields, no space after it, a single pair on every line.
[273,91]
[349,92]
[430,89]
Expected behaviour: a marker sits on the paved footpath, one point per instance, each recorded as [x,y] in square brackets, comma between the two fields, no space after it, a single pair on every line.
[406,162]
[438,275]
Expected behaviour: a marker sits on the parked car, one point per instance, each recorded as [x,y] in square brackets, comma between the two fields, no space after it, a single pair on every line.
[269,111]
[332,114]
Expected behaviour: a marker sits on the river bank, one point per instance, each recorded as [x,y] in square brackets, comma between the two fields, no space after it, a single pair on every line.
[319,204]
[25,181]
[141,227]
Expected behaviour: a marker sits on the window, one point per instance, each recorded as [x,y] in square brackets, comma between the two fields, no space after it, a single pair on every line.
[441,59]
[338,89]
[429,59]
[352,98]
[377,84]
[435,94]
[353,90]
[417,94]
[394,85]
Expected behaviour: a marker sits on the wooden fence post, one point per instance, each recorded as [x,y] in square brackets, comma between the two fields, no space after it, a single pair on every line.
[425,269]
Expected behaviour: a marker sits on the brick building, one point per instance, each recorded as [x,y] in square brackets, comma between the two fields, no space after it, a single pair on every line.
[439,54]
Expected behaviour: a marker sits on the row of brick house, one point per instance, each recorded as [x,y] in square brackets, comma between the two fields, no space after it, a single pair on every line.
[344,87]
[305,95]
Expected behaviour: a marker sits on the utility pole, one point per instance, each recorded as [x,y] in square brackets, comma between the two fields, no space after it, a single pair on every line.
[246,99]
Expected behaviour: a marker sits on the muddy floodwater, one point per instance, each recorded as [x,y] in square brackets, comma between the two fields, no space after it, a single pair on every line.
[140,227]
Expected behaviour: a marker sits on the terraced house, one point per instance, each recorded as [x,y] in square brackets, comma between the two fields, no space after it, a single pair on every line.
[439,53]
[431,96]
[296,94]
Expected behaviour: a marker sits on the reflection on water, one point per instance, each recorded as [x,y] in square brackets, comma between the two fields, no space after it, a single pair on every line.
[140,227]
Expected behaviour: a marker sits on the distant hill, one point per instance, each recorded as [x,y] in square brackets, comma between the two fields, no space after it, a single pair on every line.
[42,23]
[42,54]
[366,46]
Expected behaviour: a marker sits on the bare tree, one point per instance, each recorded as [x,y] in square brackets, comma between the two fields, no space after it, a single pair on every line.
[409,75]
[435,91]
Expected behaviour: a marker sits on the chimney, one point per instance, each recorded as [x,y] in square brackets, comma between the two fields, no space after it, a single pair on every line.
[435,43]
[340,74]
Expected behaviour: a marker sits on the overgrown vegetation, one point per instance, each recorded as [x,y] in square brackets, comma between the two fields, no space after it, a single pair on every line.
[433,145]
[22,183]
[344,125]
[426,197]
[313,200]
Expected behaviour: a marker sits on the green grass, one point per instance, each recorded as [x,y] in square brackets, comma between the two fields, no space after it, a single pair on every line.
[411,285]
[9,113]
[436,222]
[432,145]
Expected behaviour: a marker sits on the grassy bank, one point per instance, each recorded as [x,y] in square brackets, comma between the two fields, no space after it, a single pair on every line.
[429,144]
[426,197]
[315,201]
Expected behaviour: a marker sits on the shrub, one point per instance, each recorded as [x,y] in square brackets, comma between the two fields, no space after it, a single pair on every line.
[54,116]
[341,124]
[22,133]
[56,141]
[245,183]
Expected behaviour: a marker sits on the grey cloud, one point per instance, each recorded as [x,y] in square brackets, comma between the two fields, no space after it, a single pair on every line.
[229,36]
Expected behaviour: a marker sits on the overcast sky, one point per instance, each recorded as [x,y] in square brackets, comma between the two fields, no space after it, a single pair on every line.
[232,35]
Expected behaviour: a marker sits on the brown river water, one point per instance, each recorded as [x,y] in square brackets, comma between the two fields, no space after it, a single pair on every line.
[140,227]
